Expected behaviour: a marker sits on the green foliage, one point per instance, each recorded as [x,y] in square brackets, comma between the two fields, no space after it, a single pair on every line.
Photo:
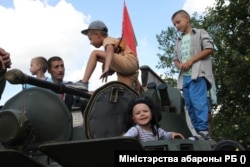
[165,40]
[171,81]
[228,23]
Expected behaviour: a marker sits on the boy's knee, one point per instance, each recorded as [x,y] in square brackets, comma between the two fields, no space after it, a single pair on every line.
[94,52]
[98,53]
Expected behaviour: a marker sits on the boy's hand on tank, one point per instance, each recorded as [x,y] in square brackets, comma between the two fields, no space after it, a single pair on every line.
[104,76]
[177,136]
[111,72]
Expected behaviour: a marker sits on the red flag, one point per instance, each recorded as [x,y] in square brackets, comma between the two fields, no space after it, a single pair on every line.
[128,31]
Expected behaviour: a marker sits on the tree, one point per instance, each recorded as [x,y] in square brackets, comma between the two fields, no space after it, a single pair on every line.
[228,23]
[165,40]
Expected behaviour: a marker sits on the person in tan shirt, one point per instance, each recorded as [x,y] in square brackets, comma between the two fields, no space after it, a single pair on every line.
[116,57]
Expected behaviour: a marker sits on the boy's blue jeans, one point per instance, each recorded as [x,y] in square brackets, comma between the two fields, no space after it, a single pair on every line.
[195,97]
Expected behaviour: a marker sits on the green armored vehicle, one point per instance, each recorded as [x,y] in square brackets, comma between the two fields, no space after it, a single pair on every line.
[37,129]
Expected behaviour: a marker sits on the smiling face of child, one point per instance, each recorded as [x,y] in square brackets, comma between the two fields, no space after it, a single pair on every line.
[141,114]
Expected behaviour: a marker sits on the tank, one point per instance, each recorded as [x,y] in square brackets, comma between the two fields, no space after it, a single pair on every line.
[37,128]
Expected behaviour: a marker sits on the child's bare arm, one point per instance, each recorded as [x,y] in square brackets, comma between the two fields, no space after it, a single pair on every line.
[177,64]
[177,136]
[109,55]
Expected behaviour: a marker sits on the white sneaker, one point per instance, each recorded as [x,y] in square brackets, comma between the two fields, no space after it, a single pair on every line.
[202,135]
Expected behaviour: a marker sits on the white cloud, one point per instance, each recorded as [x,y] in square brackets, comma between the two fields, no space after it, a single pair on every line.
[198,6]
[34,28]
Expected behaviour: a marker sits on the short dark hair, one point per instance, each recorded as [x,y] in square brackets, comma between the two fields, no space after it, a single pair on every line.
[180,12]
[42,61]
[54,58]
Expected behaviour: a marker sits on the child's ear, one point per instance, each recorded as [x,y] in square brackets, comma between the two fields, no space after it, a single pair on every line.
[39,66]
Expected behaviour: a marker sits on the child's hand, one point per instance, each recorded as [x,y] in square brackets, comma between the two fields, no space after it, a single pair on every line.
[187,65]
[104,75]
[111,72]
[4,59]
[177,136]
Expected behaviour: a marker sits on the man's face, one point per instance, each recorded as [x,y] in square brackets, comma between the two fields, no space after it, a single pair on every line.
[57,71]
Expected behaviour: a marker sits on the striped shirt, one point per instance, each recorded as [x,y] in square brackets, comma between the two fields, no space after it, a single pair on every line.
[144,135]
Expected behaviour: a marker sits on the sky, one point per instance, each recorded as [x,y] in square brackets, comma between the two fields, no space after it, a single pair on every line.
[31,28]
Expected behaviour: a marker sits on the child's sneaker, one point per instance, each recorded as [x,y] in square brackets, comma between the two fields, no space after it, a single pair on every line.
[78,85]
[202,135]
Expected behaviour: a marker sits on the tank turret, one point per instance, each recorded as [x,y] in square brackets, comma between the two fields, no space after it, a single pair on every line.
[37,128]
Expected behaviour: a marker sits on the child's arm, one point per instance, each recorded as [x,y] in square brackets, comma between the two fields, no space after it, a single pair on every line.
[201,55]
[177,64]
[109,55]
[132,132]
[177,136]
